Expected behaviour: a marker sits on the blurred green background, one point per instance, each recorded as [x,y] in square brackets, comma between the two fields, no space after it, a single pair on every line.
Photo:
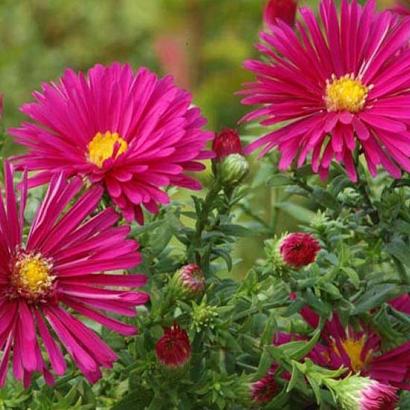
[201,42]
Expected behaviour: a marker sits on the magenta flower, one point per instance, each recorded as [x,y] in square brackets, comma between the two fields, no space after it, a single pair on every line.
[360,351]
[334,85]
[134,133]
[57,269]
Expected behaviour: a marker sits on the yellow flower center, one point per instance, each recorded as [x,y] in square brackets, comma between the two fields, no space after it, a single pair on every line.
[354,348]
[103,146]
[346,93]
[31,276]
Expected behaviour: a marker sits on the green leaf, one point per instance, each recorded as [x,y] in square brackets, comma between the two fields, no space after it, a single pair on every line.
[265,362]
[400,250]
[235,230]
[376,296]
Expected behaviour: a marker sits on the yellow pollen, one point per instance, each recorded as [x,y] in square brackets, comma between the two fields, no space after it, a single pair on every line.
[345,93]
[102,147]
[31,275]
[354,348]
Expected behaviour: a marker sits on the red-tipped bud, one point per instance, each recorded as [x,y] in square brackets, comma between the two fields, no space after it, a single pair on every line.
[263,390]
[299,249]
[226,142]
[280,9]
[362,393]
[173,350]
[189,280]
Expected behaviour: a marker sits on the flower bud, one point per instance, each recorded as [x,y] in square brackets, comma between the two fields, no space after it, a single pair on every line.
[298,249]
[189,281]
[280,9]
[226,142]
[233,169]
[173,349]
[203,316]
[362,393]
[263,390]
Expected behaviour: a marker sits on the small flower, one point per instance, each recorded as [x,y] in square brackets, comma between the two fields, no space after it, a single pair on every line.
[233,169]
[226,142]
[189,280]
[280,9]
[263,390]
[299,249]
[130,132]
[173,350]
[362,393]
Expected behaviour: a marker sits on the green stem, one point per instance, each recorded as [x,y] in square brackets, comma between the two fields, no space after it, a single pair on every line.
[203,218]
[364,190]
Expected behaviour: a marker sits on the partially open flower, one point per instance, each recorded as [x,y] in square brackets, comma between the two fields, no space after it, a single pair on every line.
[226,142]
[189,280]
[284,10]
[173,349]
[229,163]
[299,249]
[263,390]
[363,393]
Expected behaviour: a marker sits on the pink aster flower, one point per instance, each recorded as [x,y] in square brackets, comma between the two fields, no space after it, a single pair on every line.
[132,132]
[55,271]
[333,85]
[359,350]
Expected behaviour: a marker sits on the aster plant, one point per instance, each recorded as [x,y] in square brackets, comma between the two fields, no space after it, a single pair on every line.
[317,317]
